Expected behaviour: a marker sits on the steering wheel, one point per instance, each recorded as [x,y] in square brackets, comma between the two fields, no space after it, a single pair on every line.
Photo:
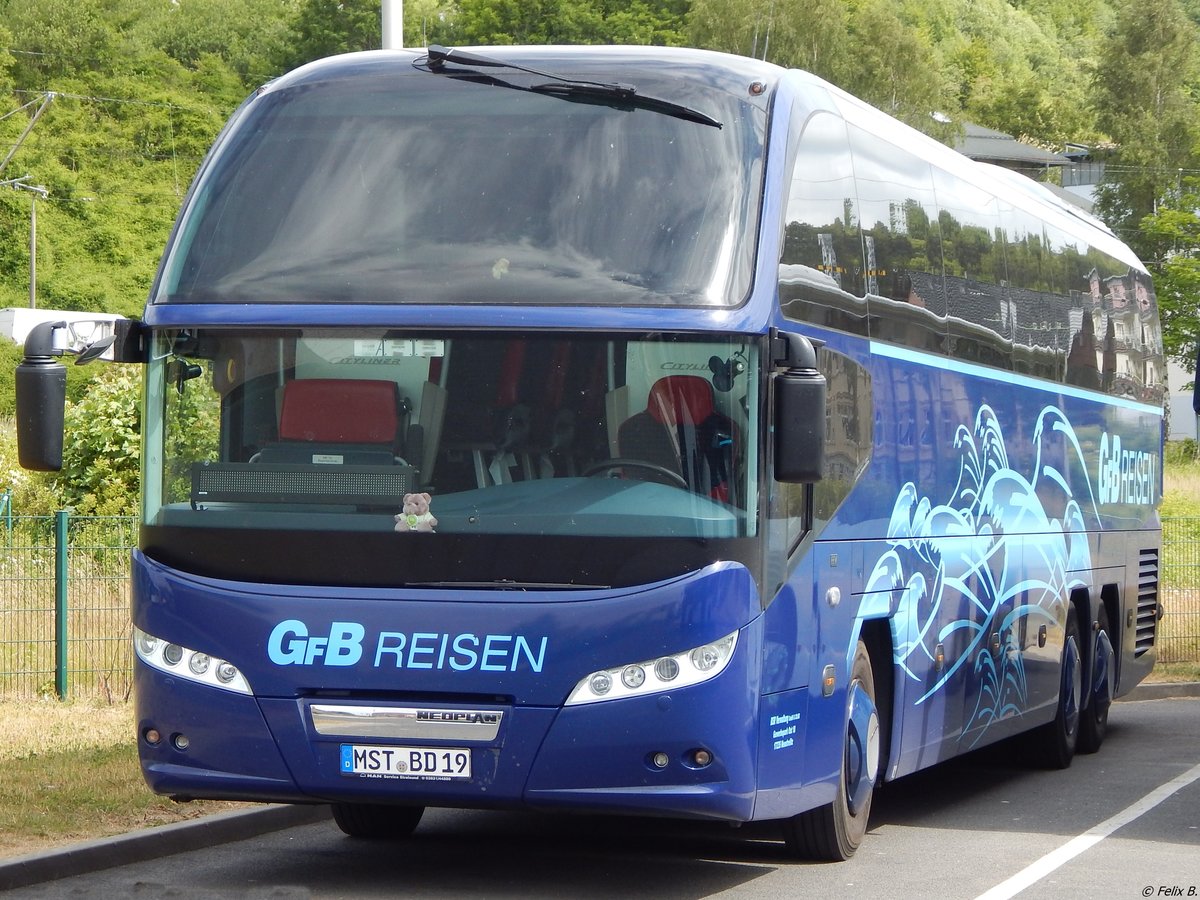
[607,464]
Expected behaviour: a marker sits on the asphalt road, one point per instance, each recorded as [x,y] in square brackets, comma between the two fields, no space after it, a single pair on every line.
[1124,823]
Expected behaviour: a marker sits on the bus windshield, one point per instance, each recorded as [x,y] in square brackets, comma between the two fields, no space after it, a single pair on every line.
[420,188]
[343,432]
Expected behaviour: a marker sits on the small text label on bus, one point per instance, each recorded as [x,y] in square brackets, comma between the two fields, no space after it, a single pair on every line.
[1126,476]
[291,644]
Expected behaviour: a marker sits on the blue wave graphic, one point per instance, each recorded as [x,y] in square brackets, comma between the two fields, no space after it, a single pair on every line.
[993,559]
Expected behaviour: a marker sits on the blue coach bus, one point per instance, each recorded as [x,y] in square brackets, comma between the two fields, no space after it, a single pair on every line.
[624,430]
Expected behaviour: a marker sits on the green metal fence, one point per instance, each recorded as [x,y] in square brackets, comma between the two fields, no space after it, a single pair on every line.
[64,604]
[64,607]
[1179,631]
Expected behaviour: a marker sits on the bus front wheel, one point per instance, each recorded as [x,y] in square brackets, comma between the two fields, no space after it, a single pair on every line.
[371,820]
[834,831]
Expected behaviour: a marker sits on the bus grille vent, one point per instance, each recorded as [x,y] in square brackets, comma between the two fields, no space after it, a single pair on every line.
[1147,600]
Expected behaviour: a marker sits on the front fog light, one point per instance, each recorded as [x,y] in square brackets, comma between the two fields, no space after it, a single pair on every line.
[704,658]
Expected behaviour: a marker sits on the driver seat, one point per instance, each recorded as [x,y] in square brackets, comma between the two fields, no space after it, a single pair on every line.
[681,430]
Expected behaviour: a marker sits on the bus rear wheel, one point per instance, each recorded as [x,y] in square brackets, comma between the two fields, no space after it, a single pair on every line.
[371,820]
[834,831]
[1093,721]
[1052,746]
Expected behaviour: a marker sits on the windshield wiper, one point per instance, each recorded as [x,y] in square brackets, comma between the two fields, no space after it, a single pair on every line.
[614,94]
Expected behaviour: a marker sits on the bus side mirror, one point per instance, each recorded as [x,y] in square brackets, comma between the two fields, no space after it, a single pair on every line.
[41,383]
[799,413]
[41,395]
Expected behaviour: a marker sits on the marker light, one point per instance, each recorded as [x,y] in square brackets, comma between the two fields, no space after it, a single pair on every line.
[201,668]
[633,677]
[667,669]
[146,643]
[654,676]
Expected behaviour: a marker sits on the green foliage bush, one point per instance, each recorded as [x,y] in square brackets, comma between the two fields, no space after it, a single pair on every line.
[31,493]
[103,445]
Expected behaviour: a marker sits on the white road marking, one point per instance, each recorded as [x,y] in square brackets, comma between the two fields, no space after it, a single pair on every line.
[1038,870]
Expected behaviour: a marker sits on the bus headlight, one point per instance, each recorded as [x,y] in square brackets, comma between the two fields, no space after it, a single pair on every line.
[655,675]
[190,665]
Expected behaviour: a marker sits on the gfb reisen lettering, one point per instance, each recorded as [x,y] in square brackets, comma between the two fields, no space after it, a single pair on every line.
[1126,476]
[292,644]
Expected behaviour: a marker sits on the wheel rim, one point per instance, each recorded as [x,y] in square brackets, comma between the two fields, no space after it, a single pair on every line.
[862,749]
[1072,685]
[1102,687]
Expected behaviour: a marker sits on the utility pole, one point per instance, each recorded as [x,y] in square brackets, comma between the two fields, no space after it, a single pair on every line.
[49,98]
[392,18]
[38,191]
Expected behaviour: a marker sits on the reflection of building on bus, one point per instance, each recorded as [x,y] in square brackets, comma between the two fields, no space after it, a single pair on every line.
[748,499]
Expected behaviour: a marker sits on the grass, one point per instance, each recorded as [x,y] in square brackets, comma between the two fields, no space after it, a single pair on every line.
[71,774]
[1181,481]
[1175,672]
[1180,627]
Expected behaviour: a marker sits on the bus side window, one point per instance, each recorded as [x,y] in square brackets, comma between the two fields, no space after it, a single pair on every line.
[903,241]
[821,266]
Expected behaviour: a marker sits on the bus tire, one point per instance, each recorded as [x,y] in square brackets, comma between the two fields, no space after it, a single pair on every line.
[1052,746]
[372,820]
[834,831]
[1093,721]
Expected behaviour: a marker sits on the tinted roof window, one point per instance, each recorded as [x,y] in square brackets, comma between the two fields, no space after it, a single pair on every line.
[421,188]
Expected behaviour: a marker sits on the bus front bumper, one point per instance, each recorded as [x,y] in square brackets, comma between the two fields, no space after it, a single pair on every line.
[689,754]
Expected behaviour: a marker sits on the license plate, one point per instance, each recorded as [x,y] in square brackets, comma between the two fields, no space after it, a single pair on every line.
[427,763]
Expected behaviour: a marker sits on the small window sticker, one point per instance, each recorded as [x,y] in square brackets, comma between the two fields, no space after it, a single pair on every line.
[389,348]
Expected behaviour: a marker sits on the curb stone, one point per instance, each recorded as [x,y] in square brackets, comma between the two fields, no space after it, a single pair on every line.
[151,843]
[1163,690]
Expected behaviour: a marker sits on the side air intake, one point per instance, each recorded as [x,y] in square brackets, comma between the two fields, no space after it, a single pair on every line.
[1147,600]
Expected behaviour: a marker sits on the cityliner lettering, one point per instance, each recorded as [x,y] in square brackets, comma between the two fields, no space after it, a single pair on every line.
[291,644]
[1126,476]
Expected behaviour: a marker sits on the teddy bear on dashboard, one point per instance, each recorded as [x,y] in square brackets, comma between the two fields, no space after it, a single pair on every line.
[415,514]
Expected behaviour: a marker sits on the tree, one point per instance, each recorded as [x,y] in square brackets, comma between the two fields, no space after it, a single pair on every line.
[802,34]
[323,28]
[897,68]
[1143,81]
[57,37]
[1172,235]
[250,36]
